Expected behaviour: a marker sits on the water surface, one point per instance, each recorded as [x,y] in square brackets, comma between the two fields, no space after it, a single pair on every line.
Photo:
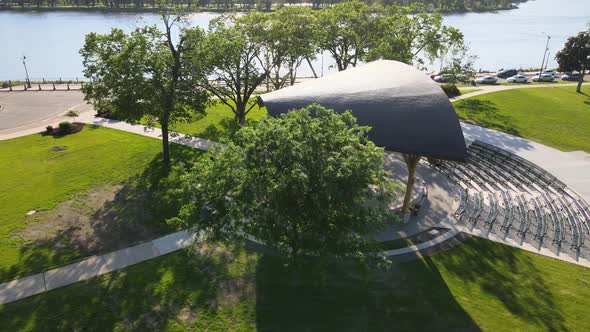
[514,38]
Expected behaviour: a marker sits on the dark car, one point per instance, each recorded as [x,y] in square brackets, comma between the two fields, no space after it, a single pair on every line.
[505,73]
[571,77]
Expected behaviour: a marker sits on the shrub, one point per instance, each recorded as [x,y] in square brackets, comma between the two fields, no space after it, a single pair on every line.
[49,129]
[65,127]
[73,115]
[451,90]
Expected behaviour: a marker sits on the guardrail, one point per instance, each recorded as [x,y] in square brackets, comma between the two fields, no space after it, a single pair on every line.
[42,85]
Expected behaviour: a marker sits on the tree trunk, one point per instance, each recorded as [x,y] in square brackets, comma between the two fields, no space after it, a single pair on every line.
[310,66]
[165,143]
[241,113]
[411,162]
[580,81]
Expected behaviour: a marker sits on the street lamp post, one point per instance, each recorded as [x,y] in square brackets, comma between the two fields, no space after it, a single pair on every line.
[26,72]
[544,54]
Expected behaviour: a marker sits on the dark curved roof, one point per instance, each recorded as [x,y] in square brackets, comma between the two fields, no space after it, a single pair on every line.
[407,111]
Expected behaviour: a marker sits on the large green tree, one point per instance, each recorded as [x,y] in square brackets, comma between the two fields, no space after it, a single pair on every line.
[460,64]
[354,32]
[411,35]
[144,75]
[232,58]
[289,40]
[347,31]
[306,183]
[575,56]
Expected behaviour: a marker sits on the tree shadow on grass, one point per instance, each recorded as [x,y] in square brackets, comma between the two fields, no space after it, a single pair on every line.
[137,213]
[342,298]
[485,113]
[412,296]
[188,291]
[508,275]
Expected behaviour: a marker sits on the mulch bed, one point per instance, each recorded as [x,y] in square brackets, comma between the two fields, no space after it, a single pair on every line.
[56,132]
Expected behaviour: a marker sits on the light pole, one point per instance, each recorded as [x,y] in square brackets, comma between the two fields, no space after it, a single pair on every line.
[544,54]
[26,72]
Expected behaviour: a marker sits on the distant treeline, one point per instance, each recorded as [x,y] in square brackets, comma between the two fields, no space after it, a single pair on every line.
[266,5]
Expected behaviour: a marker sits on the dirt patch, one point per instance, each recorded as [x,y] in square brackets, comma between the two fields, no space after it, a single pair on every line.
[98,221]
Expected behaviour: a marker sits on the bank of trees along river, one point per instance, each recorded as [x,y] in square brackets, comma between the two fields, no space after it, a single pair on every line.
[430,5]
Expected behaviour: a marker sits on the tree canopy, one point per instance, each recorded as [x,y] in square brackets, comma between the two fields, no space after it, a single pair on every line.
[575,55]
[143,75]
[306,183]
[354,32]
[231,57]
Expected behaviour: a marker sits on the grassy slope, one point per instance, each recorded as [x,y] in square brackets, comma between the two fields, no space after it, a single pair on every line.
[218,122]
[32,176]
[477,285]
[558,116]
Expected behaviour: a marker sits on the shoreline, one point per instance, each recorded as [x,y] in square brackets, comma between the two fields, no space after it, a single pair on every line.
[196,9]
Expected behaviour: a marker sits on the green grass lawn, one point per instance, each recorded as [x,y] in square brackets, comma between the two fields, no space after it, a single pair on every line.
[217,124]
[556,116]
[33,176]
[466,90]
[479,285]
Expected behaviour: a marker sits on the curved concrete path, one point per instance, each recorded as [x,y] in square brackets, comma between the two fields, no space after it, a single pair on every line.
[494,88]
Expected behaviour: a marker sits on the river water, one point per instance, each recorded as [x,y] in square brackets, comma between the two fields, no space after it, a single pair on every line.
[513,38]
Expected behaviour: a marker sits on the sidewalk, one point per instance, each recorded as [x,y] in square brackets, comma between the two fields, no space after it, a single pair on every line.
[93,266]
[483,89]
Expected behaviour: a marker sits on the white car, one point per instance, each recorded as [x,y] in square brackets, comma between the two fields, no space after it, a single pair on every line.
[544,78]
[549,71]
[517,79]
[443,78]
[486,80]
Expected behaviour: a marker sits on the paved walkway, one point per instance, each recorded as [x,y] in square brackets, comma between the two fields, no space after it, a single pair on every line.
[93,266]
[494,88]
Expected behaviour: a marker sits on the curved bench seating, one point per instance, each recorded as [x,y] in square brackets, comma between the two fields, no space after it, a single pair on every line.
[506,191]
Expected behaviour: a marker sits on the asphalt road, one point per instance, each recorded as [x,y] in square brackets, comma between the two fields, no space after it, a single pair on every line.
[18,109]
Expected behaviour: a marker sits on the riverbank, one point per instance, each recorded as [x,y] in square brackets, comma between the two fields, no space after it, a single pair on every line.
[197,9]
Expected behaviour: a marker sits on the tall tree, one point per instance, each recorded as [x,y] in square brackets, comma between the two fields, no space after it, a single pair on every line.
[347,31]
[234,65]
[575,56]
[143,75]
[460,64]
[307,183]
[410,34]
[288,40]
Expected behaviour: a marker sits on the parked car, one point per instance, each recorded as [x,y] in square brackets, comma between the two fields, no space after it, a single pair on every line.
[571,77]
[442,78]
[517,79]
[544,78]
[486,80]
[505,73]
[549,71]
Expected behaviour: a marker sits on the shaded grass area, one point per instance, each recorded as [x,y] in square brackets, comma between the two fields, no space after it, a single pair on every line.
[558,116]
[218,123]
[479,285]
[34,177]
